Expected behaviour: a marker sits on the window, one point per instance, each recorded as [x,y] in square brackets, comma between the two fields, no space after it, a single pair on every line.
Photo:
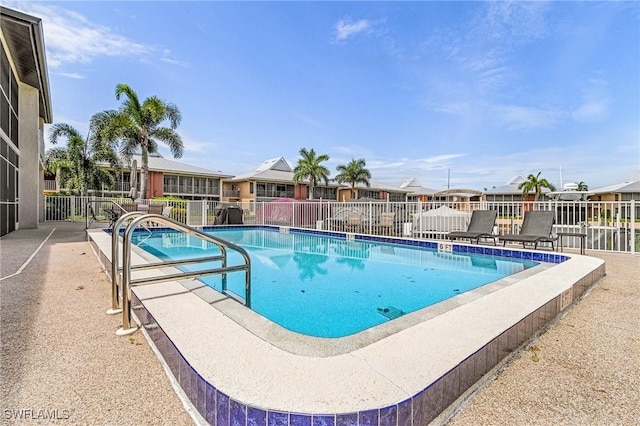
[170,183]
[199,185]
[251,188]
[8,99]
[213,186]
[186,185]
[324,193]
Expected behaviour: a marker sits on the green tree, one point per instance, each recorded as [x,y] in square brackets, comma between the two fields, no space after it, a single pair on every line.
[76,166]
[310,167]
[354,173]
[137,127]
[535,184]
[582,187]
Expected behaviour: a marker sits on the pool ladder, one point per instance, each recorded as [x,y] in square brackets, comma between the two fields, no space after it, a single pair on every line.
[121,286]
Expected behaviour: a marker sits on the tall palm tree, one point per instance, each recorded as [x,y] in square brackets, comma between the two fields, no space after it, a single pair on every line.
[310,167]
[137,126]
[76,165]
[582,187]
[353,173]
[535,184]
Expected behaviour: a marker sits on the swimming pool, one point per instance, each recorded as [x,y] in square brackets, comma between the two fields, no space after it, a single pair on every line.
[236,367]
[325,286]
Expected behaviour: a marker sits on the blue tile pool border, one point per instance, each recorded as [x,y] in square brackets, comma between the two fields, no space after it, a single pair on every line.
[219,409]
[456,248]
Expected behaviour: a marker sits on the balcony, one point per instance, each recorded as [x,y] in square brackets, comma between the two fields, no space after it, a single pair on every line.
[231,193]
[50,185]
[275,194]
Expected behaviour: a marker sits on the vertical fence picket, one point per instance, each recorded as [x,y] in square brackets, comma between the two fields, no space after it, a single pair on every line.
[609,225]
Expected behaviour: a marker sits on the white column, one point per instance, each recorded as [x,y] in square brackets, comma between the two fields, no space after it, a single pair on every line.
[29,190]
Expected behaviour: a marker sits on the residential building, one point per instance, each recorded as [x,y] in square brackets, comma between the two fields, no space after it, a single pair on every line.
[510,197]
[175,178]
[375,191]
[25,107]
[625,191]
[166,178]
[273,179]
[417,192]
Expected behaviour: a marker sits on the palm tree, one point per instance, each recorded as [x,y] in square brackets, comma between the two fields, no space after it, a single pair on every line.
[582,187]
[353,173]
[534,183]
[310,167]
[76,165]
[137,127]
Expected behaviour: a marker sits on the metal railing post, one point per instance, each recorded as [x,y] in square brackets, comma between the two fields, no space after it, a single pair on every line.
[223,251]
[115,274]
[126,267]
[126,288]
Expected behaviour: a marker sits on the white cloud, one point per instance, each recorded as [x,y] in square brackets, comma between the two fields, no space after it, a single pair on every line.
[595,102]
[348,28]
[455,108]
[73,75]
[167,57]
[514,22]
[517,117]
[592,110]
[195,146]
[72,38]
[438,159]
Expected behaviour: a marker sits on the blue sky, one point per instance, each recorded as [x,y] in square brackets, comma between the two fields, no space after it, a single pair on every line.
[485,90]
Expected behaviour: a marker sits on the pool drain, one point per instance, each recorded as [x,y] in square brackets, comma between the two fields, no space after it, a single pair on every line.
[391,312]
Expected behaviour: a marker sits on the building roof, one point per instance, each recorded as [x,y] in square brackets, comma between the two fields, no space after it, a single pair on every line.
[273,170]
[25,41]
[373,185]
[511,187]
[415,188]
[275,164]
[458,192]
[620,188]
[157,163]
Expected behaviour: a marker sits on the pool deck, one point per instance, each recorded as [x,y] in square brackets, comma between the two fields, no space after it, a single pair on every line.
[608,329]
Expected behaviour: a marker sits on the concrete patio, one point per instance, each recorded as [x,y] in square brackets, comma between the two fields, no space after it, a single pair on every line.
[62,359]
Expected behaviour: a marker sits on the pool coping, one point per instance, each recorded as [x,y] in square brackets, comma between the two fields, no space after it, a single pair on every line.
[394,377]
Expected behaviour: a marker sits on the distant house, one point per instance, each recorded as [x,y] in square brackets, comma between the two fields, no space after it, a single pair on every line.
[175,178]
[509,192]
[168,178]
[273,179]
[375,191]
[25,106]
[625,191]
[417,192]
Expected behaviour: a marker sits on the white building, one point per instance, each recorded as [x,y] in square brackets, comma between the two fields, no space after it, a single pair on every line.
[25,106]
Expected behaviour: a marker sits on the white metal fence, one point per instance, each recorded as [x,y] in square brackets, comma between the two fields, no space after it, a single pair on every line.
[609,226]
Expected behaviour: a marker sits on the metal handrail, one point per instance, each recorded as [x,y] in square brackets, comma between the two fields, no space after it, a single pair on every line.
[115,268]
[223,245]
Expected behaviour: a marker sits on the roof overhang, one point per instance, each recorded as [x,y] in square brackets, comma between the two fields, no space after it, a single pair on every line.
[458,192]
[25,41]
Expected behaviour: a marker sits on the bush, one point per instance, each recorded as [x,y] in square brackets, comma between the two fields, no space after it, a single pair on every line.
[179,210]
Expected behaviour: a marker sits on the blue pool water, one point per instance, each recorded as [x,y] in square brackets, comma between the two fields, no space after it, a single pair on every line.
[330,287]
